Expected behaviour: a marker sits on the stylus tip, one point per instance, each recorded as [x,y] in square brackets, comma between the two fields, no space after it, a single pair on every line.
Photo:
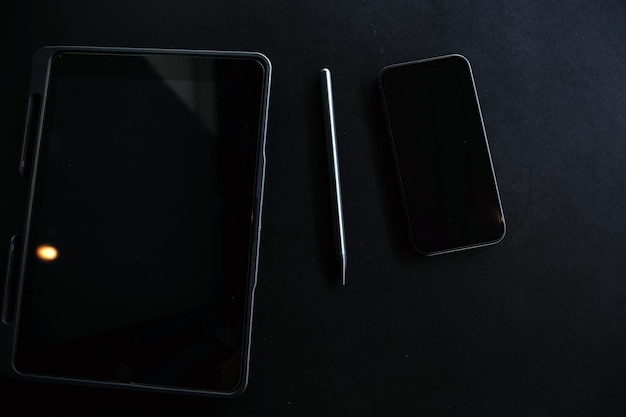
[343,270]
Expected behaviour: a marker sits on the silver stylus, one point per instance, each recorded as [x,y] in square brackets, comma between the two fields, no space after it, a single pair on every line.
[333,163]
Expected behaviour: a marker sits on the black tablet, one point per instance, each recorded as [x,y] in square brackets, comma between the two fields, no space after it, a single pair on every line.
[137,264]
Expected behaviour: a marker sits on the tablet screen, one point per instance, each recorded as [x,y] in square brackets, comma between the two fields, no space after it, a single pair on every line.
[143,226]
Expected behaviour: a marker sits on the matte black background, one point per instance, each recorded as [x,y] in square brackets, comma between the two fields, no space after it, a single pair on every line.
[535,325]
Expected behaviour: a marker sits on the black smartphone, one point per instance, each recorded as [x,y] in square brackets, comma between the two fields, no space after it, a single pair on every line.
[139,255]
[442,157]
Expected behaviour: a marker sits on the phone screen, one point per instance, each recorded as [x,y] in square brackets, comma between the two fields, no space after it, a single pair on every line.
[142,235]
[442,156]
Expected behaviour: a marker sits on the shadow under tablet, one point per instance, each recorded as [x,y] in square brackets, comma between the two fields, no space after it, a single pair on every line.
[442,157]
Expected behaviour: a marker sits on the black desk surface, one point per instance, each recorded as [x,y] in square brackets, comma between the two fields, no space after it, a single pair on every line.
[535,325]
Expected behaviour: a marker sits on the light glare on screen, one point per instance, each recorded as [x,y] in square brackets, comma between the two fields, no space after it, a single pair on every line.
[47,253]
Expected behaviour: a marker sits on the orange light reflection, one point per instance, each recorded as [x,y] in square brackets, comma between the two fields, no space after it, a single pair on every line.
[47,253]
